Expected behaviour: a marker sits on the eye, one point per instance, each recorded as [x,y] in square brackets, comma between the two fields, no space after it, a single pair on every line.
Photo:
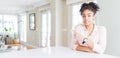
[89,15]
[83,16]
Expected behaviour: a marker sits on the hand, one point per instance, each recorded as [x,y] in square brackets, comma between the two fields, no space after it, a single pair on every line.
[90,43]
[78,36]
[84,48]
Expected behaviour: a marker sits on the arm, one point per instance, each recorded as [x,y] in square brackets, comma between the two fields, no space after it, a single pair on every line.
[77,46]
[84,48]
[100,46]
[97,46]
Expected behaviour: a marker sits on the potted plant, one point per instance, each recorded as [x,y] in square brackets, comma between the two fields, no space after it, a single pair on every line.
[16,40]
[8,40]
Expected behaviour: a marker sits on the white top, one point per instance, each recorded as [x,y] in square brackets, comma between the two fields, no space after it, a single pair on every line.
[98,36]
[54,52]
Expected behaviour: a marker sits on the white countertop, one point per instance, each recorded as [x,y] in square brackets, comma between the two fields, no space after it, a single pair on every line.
[54,52]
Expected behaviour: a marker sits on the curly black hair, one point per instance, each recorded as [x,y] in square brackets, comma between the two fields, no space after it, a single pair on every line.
[90,6]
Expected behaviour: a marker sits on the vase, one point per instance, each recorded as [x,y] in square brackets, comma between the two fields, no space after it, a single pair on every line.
[16,41]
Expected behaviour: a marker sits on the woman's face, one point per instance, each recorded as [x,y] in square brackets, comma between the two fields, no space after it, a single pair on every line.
[88,17]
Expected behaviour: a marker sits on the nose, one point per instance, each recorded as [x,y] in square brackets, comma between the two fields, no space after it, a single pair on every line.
[86,18]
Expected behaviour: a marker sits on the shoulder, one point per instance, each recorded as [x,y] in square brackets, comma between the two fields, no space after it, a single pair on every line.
[79,26]
[101,28]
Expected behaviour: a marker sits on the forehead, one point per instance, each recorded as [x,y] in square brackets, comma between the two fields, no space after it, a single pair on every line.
[87,12]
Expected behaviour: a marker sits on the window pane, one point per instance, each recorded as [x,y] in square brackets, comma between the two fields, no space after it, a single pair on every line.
[75,9]
[22,27]
[1,25]
[46,28]
[76,16]
[8,25]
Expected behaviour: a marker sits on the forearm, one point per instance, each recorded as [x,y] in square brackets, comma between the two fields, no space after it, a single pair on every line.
[90,44]
[83,48]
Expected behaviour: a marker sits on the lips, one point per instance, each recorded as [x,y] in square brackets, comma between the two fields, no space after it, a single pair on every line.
[86,22]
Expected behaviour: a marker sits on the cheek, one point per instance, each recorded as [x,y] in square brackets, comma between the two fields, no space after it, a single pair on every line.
[89,20]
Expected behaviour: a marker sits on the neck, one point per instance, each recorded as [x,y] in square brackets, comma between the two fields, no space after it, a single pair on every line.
[89,27]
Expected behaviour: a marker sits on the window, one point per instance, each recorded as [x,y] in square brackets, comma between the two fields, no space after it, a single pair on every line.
[1,23]
[8,25]
[22,27]
[76,16]
[46,28]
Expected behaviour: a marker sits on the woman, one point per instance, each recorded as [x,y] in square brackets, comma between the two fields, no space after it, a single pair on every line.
[88,36]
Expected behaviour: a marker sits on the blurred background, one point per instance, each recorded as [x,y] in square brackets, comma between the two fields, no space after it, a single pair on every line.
[48,23]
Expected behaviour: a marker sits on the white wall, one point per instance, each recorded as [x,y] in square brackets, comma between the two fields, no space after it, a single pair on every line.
[110,17]
[33,35]
[58,24]
[60,16]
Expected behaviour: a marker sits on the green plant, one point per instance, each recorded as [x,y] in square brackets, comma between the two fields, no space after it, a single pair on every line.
[15,36]
[10,29]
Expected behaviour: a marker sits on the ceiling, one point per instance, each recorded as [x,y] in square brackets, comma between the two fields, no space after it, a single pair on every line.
[14,6]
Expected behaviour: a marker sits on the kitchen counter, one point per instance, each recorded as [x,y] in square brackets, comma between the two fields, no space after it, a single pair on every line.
[53,52]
